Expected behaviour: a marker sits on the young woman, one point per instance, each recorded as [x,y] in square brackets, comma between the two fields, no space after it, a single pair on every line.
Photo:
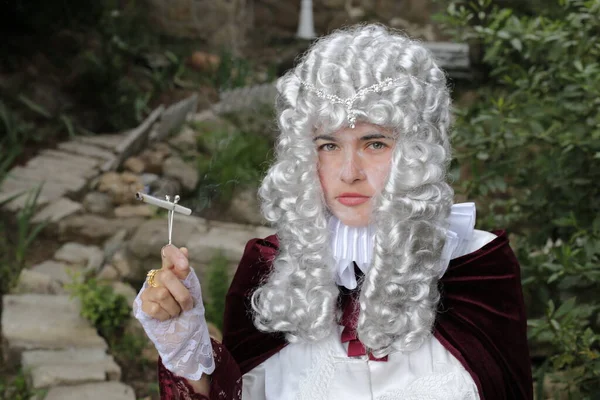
[376,286]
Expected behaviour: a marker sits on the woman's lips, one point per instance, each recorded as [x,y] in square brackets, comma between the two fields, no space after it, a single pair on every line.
[352,199]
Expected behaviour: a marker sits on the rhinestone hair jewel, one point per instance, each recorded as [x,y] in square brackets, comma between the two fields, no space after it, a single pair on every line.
[348,103]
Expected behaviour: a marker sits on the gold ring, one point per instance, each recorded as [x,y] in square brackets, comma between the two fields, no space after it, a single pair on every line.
[150,277]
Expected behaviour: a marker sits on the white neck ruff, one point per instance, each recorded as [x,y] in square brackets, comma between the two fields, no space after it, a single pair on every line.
[355,244]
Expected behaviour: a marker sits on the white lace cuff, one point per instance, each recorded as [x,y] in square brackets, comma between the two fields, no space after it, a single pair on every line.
[183,342]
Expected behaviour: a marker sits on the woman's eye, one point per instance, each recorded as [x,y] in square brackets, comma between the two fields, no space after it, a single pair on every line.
[328,147]
[378,145]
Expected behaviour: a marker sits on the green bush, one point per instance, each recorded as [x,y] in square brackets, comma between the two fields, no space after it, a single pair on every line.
[105,309]
[231,159]
[528,150]
[15,387]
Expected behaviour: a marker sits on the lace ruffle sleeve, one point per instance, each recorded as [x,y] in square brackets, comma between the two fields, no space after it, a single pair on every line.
[226,380]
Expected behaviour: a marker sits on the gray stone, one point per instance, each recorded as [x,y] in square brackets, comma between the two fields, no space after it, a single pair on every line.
[49,322]
[94,228]
[21,201]
[229,239]
[85,161]
[134,164]
[113,244]
[36,175]
[175,167]
[47,376]
[108,273]
[72,161]
[204,115]
[152,234]
[174,116]
[58,210]
[60,273]
[87,150]
[245,207]
[165,186]
[57,166]
[92,391]
[122,265]
[106,141]
[185,140]
[71,366]
[137,138]
[76,253]
[98,203]
[149,179]
[125,290]
[36,282]
[127,211]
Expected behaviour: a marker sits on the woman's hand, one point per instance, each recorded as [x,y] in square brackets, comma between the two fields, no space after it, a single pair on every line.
[170,297]
[172,315]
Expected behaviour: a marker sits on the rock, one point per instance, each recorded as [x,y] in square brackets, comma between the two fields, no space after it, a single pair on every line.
[175,167]
[137,138]
[245,208]
[108,273]
[165,186]
[173,117]
[152,235]
[120,187]
[92,391]
[47,322]
[58,272]
[94,228]
[47,376]
[185,141]
[127,211]
[106,141]
[87,150]
[57,210]
[126,290]
[149,179]
[203,61]
[83,357]
[98,203]
[36,282]
[228,239]
[135,165]
[75,253]
[122,265]
[114,243]
[152,160]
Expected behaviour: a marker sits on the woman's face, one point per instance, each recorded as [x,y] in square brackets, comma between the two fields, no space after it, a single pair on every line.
[354,165]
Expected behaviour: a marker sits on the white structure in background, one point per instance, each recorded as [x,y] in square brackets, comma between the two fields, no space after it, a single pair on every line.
[306,26]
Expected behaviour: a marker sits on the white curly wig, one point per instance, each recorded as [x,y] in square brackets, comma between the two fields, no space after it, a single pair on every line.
[399,295]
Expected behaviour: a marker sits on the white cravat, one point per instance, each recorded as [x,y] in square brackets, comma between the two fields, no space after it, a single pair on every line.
[355,244]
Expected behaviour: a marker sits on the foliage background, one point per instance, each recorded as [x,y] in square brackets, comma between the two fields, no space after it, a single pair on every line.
[528,150]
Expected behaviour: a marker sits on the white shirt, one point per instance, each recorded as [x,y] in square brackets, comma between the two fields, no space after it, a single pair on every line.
[323,370]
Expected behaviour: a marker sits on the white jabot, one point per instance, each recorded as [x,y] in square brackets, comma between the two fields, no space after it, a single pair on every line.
[355,244]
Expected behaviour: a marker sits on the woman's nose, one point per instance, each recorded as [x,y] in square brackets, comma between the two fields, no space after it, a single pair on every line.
[352,170]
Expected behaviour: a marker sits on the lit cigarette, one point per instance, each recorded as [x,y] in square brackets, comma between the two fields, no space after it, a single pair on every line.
[155,201]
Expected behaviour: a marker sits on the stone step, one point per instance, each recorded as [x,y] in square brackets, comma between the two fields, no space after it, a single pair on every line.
[69,367]
[44,322]
[87,150]
[92,391]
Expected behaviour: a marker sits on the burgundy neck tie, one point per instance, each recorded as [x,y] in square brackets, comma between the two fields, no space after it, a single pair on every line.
[350,307]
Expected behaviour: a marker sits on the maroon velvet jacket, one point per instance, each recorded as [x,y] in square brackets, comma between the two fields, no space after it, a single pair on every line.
[481,321]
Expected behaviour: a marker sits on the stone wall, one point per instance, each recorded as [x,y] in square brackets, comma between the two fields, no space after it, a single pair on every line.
[227,22]
[220,23]
[411,15]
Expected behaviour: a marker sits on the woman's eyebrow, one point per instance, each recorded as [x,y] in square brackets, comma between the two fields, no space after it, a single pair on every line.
[372,136]
[324,137]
